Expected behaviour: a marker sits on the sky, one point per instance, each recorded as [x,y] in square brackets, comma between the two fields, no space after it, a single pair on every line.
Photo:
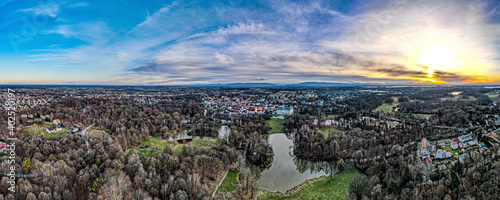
[273,41]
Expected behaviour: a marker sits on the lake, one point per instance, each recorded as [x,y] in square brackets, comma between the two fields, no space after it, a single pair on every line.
[224,130]
[285,172]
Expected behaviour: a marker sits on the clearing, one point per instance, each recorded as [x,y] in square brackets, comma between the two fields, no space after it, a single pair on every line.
[323,188]
[276,125]
[326,130]
[230,183]
[386,107]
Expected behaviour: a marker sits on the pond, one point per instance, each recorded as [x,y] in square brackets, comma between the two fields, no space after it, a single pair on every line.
[223,131]
[287,171]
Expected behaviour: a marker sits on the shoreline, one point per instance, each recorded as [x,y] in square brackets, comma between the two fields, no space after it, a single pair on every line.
[297,187]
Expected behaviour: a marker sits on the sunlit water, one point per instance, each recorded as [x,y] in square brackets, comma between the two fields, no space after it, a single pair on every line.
[284,173]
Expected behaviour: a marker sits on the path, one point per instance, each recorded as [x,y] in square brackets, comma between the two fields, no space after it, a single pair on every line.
[218,185]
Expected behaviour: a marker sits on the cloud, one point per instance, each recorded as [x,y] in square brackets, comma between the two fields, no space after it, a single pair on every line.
[92,32]
[404,32]
[50,9]
[283,41]
[78,5]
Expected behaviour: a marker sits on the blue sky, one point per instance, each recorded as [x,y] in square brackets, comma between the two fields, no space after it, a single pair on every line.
[193,42]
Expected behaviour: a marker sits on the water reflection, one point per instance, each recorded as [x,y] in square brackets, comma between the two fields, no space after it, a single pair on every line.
[288,171]
[185,134]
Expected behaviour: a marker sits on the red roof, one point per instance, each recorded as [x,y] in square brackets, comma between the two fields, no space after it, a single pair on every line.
[454,143]
[428,160]
[493,134]
[57,121]
[448,153]
[3,145]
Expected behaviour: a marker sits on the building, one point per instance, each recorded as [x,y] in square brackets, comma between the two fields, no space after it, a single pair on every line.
[449,155]
[3,148]
[423,145]
[454,145]
[472,143]
[432,149]
[463,158]
[428,160]
[439,156]
[495,137]
[465,138]
[282,110]
[56,121]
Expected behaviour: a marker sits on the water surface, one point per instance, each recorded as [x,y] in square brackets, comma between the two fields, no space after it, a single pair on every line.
[284,174]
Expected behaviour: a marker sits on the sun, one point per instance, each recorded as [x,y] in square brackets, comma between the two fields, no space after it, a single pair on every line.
[436,58]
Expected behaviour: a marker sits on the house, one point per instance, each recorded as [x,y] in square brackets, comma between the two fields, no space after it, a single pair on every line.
[439,156]
[495,137]
[463,158]
[484,149]
[472,143]
[56,121]
[481,145]
[75,128]
[454,145]
[30,116]
[449,155]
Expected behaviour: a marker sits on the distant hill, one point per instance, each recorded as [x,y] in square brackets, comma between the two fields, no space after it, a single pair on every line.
[329,84]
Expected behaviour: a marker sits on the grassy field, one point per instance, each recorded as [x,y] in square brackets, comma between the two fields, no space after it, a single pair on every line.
[276,125]
[456,151]
[230,183]
[155,143]
[446,160]
[324,188]
[36,130]
[447,147]
[423,116]
[54,135]
[326,130]
[196,143]
[146,152]
[386,107]
[492,95]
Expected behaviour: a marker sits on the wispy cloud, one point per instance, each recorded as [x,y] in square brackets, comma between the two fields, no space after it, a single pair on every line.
[49,9]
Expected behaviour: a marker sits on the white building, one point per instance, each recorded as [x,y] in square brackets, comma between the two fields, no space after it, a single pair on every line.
[284,110]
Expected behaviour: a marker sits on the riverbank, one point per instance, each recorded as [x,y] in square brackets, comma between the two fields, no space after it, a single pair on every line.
[318,188]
